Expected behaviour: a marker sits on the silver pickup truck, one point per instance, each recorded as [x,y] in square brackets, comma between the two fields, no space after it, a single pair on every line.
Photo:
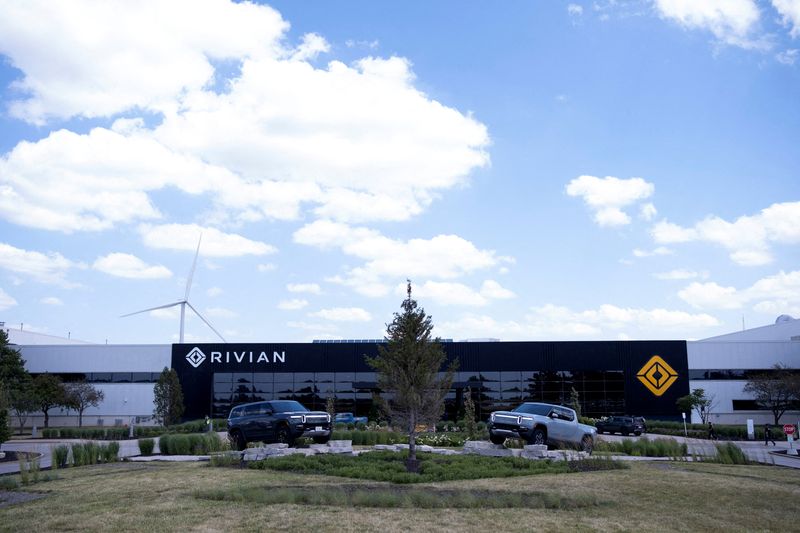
[541,423]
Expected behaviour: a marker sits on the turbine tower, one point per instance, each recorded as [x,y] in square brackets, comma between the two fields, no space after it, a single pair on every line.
[183,303]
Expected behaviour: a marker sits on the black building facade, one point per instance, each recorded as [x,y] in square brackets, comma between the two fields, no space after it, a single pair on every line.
[611,377]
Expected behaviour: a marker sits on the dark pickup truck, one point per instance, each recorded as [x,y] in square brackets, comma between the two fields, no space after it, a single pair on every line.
[276,421]
[621,424]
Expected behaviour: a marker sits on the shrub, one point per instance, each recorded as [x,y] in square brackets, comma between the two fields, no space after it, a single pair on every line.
[79,455]
[60,455]
[163,444]
[8,483]
[146,446]
[730,454]
[644,447]
[110,452]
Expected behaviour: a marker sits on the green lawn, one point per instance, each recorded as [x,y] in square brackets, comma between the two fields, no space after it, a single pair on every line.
[648,496]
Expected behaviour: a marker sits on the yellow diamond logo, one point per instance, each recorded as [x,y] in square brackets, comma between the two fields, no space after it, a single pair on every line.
[657,375]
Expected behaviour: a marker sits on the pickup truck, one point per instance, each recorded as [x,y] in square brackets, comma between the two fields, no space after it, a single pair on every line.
[541,423]
[349,418]
[276,421]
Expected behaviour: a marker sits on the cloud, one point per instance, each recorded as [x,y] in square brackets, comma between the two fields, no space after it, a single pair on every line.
[732,22]
[788,57]
[790,15]
[561,323]
[574,10]
[310,288]
[647,211]
[45,268]
[442,257]
[214,242]
[680,274]
[292,305]
[220,312]
[607,196]
[450,293]
[112,65]
[748,238]
[311,46]
[661,250]
[170,313]
[343,314]
[52,300]
[213,292]
[777,294]
[129,266]
[266,267]
[6,301]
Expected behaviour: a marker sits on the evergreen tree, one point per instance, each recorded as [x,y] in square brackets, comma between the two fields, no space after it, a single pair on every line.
[16,381]
[470,424]
[408,370]
[168,397]
[5,428]
[49,392]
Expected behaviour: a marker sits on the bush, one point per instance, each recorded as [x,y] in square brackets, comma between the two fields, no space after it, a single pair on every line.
[163,444]
[730,454]
[60,455]
[110,452]
[146,446]
[644,447]
[192,444]
[79,455]
[700,431]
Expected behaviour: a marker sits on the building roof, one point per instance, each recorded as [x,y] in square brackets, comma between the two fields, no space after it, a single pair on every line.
[32,338]
[785,328]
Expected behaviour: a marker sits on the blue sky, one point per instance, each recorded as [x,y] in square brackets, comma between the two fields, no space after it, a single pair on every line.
[539,170]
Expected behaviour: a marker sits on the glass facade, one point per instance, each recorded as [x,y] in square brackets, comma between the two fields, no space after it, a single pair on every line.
[601,392]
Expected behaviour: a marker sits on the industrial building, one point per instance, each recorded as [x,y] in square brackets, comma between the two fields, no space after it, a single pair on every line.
[611,377]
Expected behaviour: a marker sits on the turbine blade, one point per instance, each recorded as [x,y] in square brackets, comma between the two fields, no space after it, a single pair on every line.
[191,272]
[206,321]
[151,309]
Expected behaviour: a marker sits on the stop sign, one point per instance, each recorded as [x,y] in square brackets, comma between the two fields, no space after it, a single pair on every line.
[788,429]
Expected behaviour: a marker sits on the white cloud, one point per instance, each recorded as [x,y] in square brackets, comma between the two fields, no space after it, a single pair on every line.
[213,292]
[561,323]
[450,293]
[343,314]
[575,10]
[265,140]
[113,64]
[732,22]
[788,57]
[6,301]
[310,288]
[748,238]
[388,261]
[492,289]
[220,312]
[780,293]
[607,196]
[647,211]
[292,305]
[129,266]
[214,242]
[266,267]
[790,14]
[44,268]
[680,274]
[661,250]
[52,300]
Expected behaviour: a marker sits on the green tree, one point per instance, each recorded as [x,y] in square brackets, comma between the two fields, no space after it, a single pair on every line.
[81,395]
[5,428]
[776,391]
[16,381]
[330,407]
[49,392]
[408,370]
[697,401]
[470,424]
[168,397]
[23,402]
[575,401]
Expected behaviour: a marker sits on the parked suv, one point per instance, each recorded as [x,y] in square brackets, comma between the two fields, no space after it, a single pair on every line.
[541,423]
[276,421]
[349,418]
[621,424]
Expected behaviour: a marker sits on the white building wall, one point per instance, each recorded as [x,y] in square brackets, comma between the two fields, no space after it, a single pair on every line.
[735,355]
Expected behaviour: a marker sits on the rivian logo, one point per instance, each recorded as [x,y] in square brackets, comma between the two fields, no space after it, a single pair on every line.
[196,357]
[657,375]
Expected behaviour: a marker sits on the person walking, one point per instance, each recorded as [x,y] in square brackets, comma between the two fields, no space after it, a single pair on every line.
[768,435]
[712,435]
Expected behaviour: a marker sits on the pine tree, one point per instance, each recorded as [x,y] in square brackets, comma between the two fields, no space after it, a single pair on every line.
[168,397]
[408,370]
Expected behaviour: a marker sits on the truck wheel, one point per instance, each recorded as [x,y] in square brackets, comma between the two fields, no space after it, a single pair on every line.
[238,441]
[637,433]
[284,436]
[322,440]
[496,439]
[538,437]
[587,444]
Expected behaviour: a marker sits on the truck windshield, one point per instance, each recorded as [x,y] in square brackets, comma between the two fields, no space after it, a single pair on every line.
[287,406]
[534,409]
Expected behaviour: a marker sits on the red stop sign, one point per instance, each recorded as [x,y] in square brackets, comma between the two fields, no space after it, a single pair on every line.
[788,429]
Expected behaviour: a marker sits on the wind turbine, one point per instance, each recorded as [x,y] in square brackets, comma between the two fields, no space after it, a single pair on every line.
[183,303]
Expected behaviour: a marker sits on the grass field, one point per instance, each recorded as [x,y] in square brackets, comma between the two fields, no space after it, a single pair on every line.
[658,496]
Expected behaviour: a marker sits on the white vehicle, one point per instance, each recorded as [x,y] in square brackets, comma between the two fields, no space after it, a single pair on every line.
[542,423]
